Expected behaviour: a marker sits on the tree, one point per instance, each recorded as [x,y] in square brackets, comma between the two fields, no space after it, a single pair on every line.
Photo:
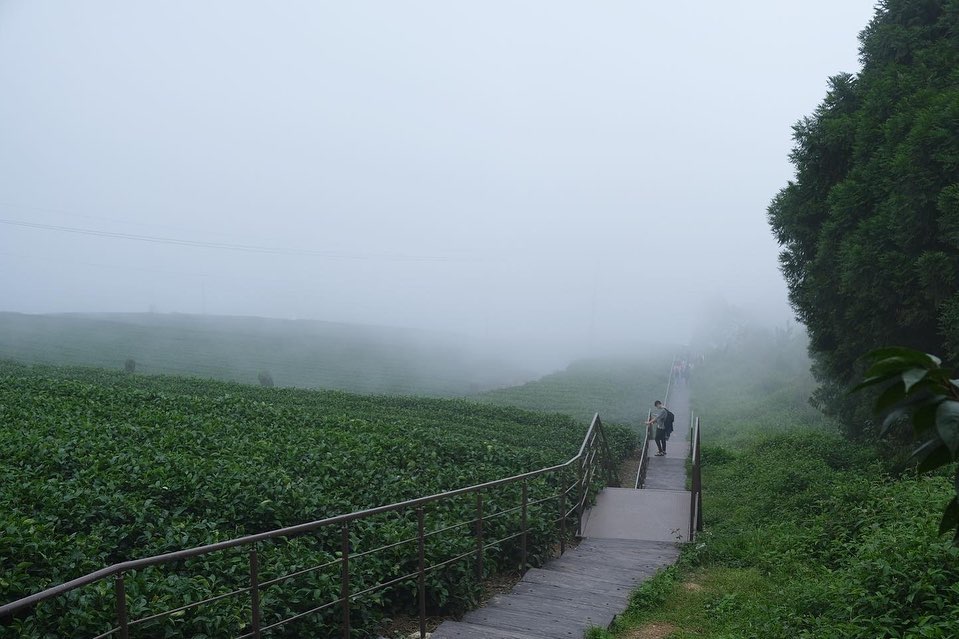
[130,365]
[870,224]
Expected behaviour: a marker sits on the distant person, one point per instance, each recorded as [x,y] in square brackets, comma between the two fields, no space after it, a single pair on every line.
[657,419]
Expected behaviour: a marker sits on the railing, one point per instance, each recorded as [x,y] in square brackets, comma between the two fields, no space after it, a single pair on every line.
[644,455]
[593,456]
[696,490]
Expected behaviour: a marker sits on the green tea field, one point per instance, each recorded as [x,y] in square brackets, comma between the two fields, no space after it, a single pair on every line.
[295,353]
[98,467]
[623,388]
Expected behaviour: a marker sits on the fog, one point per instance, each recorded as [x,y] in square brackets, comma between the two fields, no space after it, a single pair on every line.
[570,174]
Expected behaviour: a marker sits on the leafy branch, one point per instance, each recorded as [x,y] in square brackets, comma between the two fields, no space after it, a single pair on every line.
[920,390]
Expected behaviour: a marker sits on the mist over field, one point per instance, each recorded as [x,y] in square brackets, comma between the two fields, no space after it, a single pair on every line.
[547,180]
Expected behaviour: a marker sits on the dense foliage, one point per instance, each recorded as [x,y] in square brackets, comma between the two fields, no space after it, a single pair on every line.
[99,467]
[919,389]
[870,226]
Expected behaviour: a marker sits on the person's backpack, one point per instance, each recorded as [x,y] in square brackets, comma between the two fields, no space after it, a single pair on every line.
[668,421]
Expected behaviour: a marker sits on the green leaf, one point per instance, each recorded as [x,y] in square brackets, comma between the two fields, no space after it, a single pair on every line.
[891,396]
[893,418]
[936,455]
[890,366]
[947,424]
[913,376]
[872,381]
[950,517]
[924,417]
[901,352]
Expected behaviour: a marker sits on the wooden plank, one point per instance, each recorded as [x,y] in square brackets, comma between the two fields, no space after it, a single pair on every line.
[622,547]
[627,544]
[553,626]
[590,565]
[627,578]
[552,577]
[586,587]
[597,613]
[464,630]
[620,557]
[666,473]
[522,601]
[567,593]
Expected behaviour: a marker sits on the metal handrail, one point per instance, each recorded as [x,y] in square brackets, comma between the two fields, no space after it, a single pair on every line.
[644,455]
[696,489]
[593,444]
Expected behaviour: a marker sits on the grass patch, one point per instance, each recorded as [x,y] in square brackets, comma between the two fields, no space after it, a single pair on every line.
[825,546]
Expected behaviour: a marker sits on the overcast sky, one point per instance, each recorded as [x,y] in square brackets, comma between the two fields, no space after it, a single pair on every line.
[568,170]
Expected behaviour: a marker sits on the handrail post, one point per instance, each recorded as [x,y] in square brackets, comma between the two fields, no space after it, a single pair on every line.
[562,521]
[699,476]
[696,489]
[255,591]
[421,580]
[345,578]
[692,496]
[525,502]
[692,424]
[609,456]
[121,594]
[580,500]
[479,536]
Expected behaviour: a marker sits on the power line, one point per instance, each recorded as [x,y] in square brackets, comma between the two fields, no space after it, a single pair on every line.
[245,248]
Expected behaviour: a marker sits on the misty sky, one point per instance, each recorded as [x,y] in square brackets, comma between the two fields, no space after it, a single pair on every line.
[579,171]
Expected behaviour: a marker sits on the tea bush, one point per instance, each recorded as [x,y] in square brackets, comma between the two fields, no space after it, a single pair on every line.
[98,467]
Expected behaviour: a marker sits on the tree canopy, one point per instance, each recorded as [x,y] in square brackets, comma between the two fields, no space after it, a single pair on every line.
[870,224]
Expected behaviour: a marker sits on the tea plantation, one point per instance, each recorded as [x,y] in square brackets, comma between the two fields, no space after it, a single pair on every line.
[98,467]
[624,388]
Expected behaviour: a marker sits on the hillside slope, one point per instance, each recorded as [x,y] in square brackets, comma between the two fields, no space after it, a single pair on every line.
[298,353]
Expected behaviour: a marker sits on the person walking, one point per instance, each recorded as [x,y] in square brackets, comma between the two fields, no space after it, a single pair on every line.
[657,419]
